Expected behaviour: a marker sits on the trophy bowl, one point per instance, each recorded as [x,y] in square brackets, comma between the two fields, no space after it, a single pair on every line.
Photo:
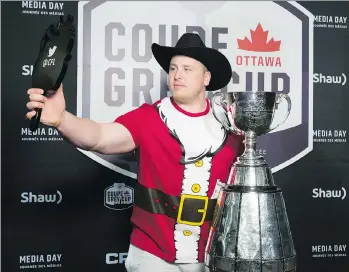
[250,114]
[249,111]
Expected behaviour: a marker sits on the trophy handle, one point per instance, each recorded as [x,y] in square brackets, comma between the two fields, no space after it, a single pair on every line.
[287,98]
[228,111]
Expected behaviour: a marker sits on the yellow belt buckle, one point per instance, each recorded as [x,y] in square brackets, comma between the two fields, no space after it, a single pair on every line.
[203,211]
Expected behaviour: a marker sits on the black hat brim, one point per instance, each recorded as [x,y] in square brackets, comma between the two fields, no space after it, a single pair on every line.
[215,62]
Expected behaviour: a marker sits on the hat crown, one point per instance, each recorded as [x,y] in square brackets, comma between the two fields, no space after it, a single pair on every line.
[190,40]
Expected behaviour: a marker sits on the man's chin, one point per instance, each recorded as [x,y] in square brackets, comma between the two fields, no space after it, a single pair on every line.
[180,98]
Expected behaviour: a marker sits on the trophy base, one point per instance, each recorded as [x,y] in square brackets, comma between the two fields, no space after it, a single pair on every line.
[220,264]
[251,232]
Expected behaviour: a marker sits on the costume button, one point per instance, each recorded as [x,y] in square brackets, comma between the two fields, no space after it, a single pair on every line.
[195,188]
[157,200]
[174,207]
[187,233]
[199,163]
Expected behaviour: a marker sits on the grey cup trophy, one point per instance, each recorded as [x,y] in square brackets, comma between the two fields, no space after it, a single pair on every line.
[250,231]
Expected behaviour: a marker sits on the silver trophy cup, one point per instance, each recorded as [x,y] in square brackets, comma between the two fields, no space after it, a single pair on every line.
[250,230]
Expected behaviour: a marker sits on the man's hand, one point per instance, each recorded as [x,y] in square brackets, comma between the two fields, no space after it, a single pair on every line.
[53,106]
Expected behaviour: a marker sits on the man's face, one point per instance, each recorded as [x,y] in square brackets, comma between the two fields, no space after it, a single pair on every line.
[187,78]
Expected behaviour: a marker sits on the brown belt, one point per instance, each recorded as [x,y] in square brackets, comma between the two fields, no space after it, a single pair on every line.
[191,210]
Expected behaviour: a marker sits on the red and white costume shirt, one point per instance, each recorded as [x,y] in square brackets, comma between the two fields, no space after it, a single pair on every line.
[179,153]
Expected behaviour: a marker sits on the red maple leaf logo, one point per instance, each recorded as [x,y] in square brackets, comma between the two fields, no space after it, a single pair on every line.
[259,41]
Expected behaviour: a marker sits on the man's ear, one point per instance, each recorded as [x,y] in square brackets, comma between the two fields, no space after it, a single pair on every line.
[207,78]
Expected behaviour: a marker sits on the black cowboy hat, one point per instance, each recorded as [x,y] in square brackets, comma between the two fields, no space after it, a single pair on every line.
[191,45]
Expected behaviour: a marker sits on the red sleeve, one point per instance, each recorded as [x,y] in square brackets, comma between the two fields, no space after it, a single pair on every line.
[134,120]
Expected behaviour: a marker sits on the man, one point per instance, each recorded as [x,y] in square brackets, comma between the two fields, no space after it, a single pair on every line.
[185,155]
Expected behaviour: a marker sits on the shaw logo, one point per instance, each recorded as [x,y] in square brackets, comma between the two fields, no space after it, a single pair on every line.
[118,197]
[27,70]
[259,50]
[115,258]
[320,78]
[320,193]
[29,197]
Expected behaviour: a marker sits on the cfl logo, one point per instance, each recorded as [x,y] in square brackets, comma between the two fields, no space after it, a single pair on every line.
[48,62]
[115,258]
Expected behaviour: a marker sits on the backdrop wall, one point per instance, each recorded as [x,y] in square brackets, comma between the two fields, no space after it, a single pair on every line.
[68,210]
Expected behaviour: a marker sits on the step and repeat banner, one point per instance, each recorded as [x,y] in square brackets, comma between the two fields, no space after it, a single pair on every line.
[64,209]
